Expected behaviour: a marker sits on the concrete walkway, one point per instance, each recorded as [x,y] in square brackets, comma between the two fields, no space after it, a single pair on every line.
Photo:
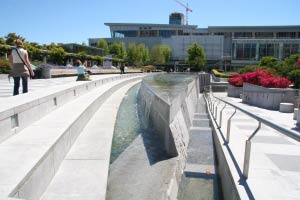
[6,86]
[275,158]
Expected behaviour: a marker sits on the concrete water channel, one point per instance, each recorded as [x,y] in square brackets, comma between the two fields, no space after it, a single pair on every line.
[143,165]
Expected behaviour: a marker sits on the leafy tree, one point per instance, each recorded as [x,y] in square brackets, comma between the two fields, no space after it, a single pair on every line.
[115,49]
[123,52]
[98,59]
[2,40]
[82,56]
[84,43]
[144,53]
[132,54]
[4,49]
[57,54]
[103,44]
[34,51]
[196,56]
[118,50]
[11,37]
[160,54]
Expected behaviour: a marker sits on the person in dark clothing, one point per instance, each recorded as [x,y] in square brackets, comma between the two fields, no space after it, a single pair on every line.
[122,68]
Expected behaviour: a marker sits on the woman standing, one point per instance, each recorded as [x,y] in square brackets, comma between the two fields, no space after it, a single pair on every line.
[21,68]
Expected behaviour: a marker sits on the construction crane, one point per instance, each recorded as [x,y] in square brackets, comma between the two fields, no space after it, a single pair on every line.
[187,9]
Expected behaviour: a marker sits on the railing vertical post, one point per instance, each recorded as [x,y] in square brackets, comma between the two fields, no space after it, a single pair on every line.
[247,158]
[229,126]
[248,152]
[221,113]
[217,110]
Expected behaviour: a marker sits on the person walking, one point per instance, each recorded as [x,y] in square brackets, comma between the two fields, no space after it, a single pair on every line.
[20,67]
[122,68]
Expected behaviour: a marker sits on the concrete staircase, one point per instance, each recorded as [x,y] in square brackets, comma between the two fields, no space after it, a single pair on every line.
[39,129]
[199,180]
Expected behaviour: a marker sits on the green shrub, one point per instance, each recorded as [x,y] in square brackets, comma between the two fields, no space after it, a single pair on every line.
[294,76]
[248,68]
[4,67]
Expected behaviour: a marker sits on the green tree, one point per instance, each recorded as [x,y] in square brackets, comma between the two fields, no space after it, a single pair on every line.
[118,50]
[98,59]
[115,49]
[82,56]
[160,54]
[57,55]
[132,54]
[144,53]
[123,53]
[196,57]
[103,44]
[2,40]
[4,49]
[11,37]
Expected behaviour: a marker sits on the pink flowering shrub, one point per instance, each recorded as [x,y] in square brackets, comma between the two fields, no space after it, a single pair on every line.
[259,77]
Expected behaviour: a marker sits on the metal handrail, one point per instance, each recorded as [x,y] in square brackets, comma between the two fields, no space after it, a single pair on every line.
[209,99]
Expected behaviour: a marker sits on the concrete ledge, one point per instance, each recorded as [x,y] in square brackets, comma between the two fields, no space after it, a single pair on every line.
[18,112]
[31,158]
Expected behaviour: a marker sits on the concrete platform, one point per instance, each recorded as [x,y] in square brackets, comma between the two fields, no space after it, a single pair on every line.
[274,163]
[31,158]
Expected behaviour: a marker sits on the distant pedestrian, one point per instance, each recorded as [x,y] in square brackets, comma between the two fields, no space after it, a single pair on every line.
[81,72]
[122,68]
[20,67]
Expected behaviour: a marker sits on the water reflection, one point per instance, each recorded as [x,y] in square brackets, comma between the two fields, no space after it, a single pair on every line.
[169,85]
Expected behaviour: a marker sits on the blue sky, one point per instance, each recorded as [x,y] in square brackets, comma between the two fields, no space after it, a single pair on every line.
[66,21]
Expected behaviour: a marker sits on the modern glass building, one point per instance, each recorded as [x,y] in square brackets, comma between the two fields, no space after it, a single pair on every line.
[176,18]
[233,45]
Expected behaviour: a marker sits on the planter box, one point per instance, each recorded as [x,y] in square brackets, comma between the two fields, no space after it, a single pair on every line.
[233,91]
[269,98]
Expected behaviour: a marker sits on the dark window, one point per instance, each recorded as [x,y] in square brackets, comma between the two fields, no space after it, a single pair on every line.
[245,51]
[286,35]
[167,33]
[264,35]
[243,34]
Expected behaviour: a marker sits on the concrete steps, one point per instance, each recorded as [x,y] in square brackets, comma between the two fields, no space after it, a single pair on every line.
[199,180]
[84,171]
[19,112]
[31,158]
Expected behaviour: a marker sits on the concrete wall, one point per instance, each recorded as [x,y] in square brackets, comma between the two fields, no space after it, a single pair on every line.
[172,121]
[269,98]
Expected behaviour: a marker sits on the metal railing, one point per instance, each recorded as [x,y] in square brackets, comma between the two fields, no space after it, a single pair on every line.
[213,102]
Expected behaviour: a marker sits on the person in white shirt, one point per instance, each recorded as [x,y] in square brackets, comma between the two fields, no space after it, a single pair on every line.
[20,67]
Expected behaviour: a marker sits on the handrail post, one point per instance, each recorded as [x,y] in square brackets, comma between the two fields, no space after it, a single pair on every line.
[221,113]
[229,126]
[213,108]
[248,152]
[216,117]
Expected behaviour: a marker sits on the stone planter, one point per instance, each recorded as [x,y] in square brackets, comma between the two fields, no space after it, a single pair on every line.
[233,91]
[269,98]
